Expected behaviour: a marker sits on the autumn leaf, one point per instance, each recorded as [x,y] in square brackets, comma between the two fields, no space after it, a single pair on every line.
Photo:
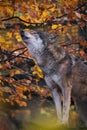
[2,39]
[53,9]
[9,10]
[1,66]
[18,37]
[82,52]
[83,43]
[54,26]
[14,71]
[29,96]
[37,71]
[9,34]
[24,18]
[1,93]
[23,104]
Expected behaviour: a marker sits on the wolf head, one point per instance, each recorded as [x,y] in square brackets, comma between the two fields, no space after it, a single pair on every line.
[36,41]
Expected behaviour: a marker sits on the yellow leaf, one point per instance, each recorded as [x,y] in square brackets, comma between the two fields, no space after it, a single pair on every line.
[23,97]
[54,26]
[10,10]
[18,37]
[59,26]
[2,39]
[17,72]
[72,107]
[37,71]
[37,88]
[45,13]
[40,75]
[53,9]
[8,42]
[23,18]
[2,25]
[9,34]
[1,66]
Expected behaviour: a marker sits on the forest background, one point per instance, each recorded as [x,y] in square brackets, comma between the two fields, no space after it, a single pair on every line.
[23,93]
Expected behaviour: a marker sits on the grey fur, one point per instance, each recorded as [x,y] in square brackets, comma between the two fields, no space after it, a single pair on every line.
[61,72]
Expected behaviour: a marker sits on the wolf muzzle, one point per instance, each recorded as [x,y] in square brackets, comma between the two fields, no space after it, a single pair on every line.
[22,33]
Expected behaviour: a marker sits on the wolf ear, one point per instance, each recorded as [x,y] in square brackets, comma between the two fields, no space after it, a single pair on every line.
[43,36]
[47,35]
[52,37]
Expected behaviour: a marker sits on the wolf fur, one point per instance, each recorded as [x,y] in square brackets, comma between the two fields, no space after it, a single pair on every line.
[65,75]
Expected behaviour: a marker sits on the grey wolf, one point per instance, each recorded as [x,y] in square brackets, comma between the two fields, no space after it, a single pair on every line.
[64,74]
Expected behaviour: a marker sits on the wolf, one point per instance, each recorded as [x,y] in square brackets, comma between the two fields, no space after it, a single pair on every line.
[65,75]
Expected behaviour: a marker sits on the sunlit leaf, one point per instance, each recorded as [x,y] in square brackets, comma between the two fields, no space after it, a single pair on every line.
[23,104]
[29,96]
[82,52]
[9,34]
[37,71]
[1,66]
[83,43]
[18,37]
[54,26]
[9,10]
[45,14]
[53,9]
[2,39]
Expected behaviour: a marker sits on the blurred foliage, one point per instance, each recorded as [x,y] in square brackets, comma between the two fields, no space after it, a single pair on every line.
[19,73]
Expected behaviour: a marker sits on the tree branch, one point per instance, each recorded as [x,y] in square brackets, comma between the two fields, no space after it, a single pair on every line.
[17,49]
[40,25]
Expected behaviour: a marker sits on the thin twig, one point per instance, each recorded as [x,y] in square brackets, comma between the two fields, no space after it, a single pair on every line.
[16,17]
[40,24]
[17,49]
[26,73]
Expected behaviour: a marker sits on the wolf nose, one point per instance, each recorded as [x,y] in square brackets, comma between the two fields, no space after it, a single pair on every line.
[22,33]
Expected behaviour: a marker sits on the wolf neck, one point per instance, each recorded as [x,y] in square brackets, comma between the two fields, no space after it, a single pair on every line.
[51,58]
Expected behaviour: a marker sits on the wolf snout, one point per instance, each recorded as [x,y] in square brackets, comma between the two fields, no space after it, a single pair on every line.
[22,33]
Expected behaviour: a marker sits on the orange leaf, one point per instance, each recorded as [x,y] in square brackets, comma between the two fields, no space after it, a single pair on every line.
[83,43]
[82,52]
[23,104]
